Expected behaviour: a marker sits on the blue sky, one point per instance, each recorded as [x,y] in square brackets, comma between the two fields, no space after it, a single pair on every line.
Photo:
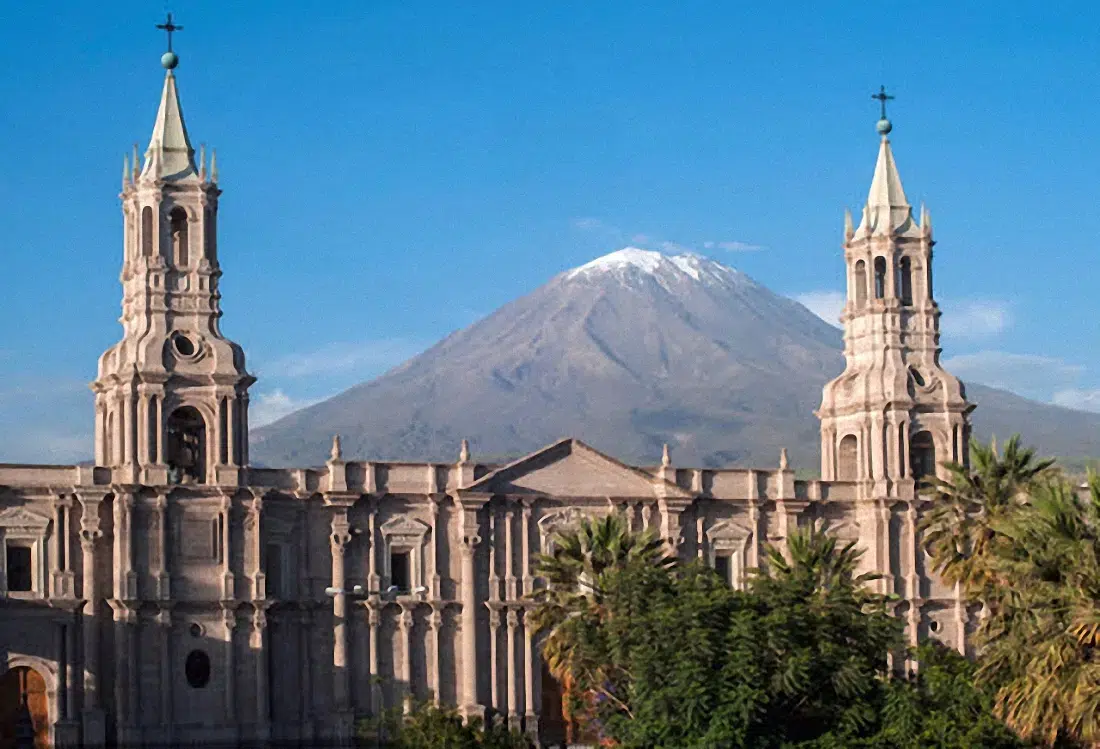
[393,171]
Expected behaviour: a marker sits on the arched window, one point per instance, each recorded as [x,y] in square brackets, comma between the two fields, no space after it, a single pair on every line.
[847,459]
[861,284]
[178,220]
[211,225]
[880,277]
[905,280]
[186,451]
[147,232]
[922,455]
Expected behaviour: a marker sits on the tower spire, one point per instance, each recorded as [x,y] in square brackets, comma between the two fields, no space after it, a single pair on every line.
[170,156]
[887,209]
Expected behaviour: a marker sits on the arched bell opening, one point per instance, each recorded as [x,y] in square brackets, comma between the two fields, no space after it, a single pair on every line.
[186,450]
[922,455]
[847,459]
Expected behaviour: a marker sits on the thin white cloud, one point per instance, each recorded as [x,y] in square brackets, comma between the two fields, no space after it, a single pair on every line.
[50,446]
[588,223]
[733,246]
[1081,399]
[265,408]
[1027,374]
[825,304]
[362,357]
[975,318]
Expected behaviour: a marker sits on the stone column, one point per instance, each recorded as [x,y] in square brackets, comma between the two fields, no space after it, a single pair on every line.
[671,510]
[494,640]
[513,622]
[374,580]
[229,620]
[244,428]
[339,540]
[433,551]
[254,528]
[164,623]
[158,541]
[61,571]
[229,589]
[405,623]
[125,577]
[127,707]
[530,668]
[374,620]
[509,572]
[90,532]
[436,623]
[470,541]
[260,646]
[305,628]
[525,547]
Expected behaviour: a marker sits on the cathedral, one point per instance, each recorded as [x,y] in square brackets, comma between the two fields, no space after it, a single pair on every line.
[172,594]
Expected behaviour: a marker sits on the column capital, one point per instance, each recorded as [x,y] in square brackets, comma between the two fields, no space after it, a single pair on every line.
[259,619]
[470,542]
[341,531]
[494,618]
[513,618]
[229,619]
[405,620]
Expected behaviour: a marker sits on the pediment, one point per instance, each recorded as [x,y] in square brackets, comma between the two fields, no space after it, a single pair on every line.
[402,525]
[570,468]
[727,530]
[21,517]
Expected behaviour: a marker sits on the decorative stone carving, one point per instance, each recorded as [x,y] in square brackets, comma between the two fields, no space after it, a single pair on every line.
[405,535]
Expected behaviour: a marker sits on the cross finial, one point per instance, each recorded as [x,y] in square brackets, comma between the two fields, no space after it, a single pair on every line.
[882,97]
[169,27]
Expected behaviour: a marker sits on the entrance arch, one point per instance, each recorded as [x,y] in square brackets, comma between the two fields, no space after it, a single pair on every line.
[23,694]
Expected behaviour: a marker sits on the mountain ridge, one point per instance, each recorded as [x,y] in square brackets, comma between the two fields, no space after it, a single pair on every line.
[627,352]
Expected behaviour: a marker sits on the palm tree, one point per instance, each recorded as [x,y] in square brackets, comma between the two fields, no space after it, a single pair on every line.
[958,528]
[574,573]
[1040,645]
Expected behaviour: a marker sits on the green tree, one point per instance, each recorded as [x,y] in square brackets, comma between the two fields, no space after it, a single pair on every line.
[429,727]
[958,529]
[1041,641]
[688,662]
[574,574]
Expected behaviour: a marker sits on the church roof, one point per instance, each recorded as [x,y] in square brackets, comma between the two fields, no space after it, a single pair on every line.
[170,156]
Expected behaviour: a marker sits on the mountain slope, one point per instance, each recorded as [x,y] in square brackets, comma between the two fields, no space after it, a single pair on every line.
[627,352]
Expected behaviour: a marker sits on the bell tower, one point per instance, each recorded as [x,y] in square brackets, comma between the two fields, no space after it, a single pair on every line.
[171,397]
[895,413]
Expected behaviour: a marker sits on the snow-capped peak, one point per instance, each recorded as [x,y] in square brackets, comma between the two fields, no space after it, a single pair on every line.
[660,266]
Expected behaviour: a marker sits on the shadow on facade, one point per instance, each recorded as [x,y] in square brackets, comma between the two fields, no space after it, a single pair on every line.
[196,676]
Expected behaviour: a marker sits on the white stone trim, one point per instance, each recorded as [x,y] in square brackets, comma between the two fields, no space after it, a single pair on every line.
[727,538]
[403,534]
[20,527]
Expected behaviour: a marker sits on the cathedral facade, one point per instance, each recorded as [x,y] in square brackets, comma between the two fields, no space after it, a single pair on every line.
[173,594]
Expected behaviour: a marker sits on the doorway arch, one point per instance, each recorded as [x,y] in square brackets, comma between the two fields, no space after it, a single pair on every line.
[24,693]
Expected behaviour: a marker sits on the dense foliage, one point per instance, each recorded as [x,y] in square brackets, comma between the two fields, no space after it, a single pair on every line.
[1025,544]
[429,727]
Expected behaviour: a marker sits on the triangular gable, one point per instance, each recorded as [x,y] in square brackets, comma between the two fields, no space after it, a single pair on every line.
[570,468]
[20,517]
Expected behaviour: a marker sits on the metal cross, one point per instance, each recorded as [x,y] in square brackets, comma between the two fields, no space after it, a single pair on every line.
[169,27]
[881,96]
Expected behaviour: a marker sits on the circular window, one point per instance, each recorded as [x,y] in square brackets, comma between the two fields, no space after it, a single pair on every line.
[195,629]
[184,345]
[934,626]
[197,669]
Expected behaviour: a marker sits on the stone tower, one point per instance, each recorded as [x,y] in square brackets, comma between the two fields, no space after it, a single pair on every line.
[895,413]
[172,395]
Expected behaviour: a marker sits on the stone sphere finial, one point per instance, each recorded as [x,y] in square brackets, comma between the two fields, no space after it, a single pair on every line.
[169,60]
[884,126]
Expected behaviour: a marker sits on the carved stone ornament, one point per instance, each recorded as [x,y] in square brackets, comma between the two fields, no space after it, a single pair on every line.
[19,521]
